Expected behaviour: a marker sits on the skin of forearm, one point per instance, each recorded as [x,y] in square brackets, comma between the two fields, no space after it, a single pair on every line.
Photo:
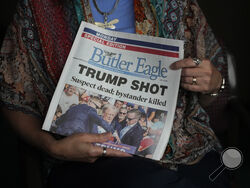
[29,129]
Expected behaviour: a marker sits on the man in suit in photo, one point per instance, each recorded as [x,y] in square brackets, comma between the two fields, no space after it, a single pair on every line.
[132,133]
[81,119]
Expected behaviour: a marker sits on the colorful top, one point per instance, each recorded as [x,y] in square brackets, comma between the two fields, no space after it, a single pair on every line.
[39,39]
[124,12]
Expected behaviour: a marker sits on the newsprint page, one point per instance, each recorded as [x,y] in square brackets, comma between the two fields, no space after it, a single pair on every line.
[120,83]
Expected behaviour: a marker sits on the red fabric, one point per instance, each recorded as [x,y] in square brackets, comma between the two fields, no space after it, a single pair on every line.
[54,32]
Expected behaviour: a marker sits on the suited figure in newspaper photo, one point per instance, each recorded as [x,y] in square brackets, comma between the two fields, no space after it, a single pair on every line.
[120,119]
[81,118]
[132,133]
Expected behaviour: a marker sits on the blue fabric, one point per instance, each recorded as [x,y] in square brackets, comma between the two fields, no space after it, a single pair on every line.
[124,12]
[80,118]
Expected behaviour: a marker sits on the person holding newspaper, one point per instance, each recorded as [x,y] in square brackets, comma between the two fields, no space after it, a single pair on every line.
[34,52]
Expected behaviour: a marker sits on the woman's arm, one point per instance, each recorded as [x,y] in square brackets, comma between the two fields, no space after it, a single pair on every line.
[204,76]
[77,147]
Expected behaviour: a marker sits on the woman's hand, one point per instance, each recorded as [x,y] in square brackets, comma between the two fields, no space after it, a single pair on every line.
[77,147]
[203,78]
[80,147]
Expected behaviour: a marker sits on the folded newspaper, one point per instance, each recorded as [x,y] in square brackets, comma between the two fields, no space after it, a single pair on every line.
[119,83]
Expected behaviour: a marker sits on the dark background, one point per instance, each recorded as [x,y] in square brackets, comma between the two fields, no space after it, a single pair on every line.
[230,22]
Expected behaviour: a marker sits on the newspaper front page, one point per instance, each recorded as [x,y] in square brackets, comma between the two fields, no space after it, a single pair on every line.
[120,83]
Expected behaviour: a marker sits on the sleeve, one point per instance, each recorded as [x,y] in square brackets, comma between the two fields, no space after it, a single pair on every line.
[21,88]
[201,42]
[139,137]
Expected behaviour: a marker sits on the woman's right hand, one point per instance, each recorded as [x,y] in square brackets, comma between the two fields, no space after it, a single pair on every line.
[77,147]
[80,147]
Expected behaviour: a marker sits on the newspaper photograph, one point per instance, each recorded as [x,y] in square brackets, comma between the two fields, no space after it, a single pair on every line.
[120,83]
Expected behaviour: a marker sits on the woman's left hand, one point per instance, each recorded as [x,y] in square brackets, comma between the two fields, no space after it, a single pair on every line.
[203,78]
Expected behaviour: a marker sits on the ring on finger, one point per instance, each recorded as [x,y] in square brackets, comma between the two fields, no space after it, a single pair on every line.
[194,81]
[104,151]
[197,61]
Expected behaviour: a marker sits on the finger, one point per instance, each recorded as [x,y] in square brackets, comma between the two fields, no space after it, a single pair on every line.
[116,153]
[91,159]
[184,63]
[97,151]
[191,87]
[92,138]
[188,80]
[190,72]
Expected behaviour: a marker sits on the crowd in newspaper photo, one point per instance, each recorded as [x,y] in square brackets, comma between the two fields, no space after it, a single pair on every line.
[134,125]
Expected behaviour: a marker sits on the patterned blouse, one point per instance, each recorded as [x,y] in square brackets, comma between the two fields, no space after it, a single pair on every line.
[39,39]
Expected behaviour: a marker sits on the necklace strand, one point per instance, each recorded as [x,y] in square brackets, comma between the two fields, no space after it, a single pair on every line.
[107,24]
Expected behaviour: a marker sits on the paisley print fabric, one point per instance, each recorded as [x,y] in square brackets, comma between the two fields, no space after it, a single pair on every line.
[39,39]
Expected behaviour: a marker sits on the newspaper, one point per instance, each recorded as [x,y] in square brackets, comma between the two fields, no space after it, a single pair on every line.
[120,83]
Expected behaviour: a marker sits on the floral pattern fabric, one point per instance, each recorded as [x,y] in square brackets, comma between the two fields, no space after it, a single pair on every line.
[39,39]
